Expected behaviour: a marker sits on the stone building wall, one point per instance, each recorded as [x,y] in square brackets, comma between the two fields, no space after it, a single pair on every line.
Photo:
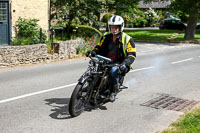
[30,9]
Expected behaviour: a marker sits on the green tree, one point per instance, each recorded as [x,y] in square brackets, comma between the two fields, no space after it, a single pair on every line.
[80,11]
[122,6]
[191,7]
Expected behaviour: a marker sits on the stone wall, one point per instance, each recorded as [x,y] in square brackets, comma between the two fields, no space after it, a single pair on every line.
[33,54]
[30,9]
[68,49]
[20,55]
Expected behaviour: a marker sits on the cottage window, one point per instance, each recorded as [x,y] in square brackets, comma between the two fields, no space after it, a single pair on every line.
[3,12]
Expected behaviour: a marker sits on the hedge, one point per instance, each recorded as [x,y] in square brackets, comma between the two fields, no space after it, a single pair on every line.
[85,31]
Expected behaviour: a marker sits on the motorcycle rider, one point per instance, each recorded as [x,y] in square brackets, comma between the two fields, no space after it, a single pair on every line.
[119,47]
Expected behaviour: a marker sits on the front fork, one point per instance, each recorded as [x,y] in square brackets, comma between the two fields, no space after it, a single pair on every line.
[91,89]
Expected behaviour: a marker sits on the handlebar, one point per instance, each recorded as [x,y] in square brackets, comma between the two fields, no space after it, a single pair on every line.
[104,58]
[111,65]
[106,62]
[100,58]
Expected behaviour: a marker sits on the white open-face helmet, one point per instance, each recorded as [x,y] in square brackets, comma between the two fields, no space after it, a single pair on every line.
[116,20]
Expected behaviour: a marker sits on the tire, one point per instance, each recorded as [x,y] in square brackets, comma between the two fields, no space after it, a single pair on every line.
[78,99]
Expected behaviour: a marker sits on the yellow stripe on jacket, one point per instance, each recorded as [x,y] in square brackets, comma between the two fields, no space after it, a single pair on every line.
[130,48]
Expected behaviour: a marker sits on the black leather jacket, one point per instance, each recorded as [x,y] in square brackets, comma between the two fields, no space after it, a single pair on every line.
[102,49]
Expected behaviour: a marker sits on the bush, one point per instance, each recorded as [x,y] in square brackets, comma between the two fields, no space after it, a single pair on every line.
[102,24]
[85,31]
[134,18]
[106,17]
[198,31]
[151,17]
[140,22]
[27,27]
[183,16]
[128,20]
[28,32]
[89,44]
[21,41]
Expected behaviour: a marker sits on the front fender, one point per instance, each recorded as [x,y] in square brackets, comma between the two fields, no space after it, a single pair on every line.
[83,79]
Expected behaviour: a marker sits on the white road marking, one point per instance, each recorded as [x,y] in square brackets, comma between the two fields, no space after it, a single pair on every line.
[36,93]
[147,51]
[53,89]
[182,61]
[141,69]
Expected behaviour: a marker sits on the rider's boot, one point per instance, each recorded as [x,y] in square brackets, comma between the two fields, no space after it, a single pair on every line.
[114,91]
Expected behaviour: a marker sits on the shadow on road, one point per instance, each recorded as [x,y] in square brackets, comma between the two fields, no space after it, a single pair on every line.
[60,108]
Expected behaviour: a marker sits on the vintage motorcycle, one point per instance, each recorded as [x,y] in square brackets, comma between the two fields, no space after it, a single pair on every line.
[93,87]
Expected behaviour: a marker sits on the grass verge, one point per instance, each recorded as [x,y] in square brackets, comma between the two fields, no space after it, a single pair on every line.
[189,123]
[180,38]
[173,36]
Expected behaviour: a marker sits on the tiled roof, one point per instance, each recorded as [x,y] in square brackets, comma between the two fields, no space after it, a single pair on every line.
[159,4]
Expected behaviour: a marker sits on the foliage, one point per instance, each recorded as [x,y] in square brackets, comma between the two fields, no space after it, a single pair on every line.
[151,17]
[21,41]
[191,7]
[60,34]
[26,27]
[106,17]
[89,44]
[137,18]
[134,17]
[183,16]
[85,31]
[140,22]
[29,30]
[80,11]
[125,6]
[186,6]
[87,12]
[128,16]
[48,43]
[198,31]
[102,24]
[189,123]
[160,14]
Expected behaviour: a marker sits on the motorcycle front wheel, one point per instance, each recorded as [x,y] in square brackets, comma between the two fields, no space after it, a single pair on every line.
[78,98]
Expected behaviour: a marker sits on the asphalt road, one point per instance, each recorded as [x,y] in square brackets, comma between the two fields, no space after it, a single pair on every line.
[34,99]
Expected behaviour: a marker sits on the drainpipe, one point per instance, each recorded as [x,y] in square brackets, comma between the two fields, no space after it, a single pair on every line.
[49,14]
[9,22]
[49,18]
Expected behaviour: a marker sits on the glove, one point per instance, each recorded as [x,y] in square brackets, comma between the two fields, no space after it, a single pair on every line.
[88,53]
[122,67]
[93,53]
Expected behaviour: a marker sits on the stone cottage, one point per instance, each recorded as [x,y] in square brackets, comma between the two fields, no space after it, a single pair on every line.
[11,10]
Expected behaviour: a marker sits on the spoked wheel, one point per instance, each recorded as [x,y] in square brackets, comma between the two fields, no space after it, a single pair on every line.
[78,99]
